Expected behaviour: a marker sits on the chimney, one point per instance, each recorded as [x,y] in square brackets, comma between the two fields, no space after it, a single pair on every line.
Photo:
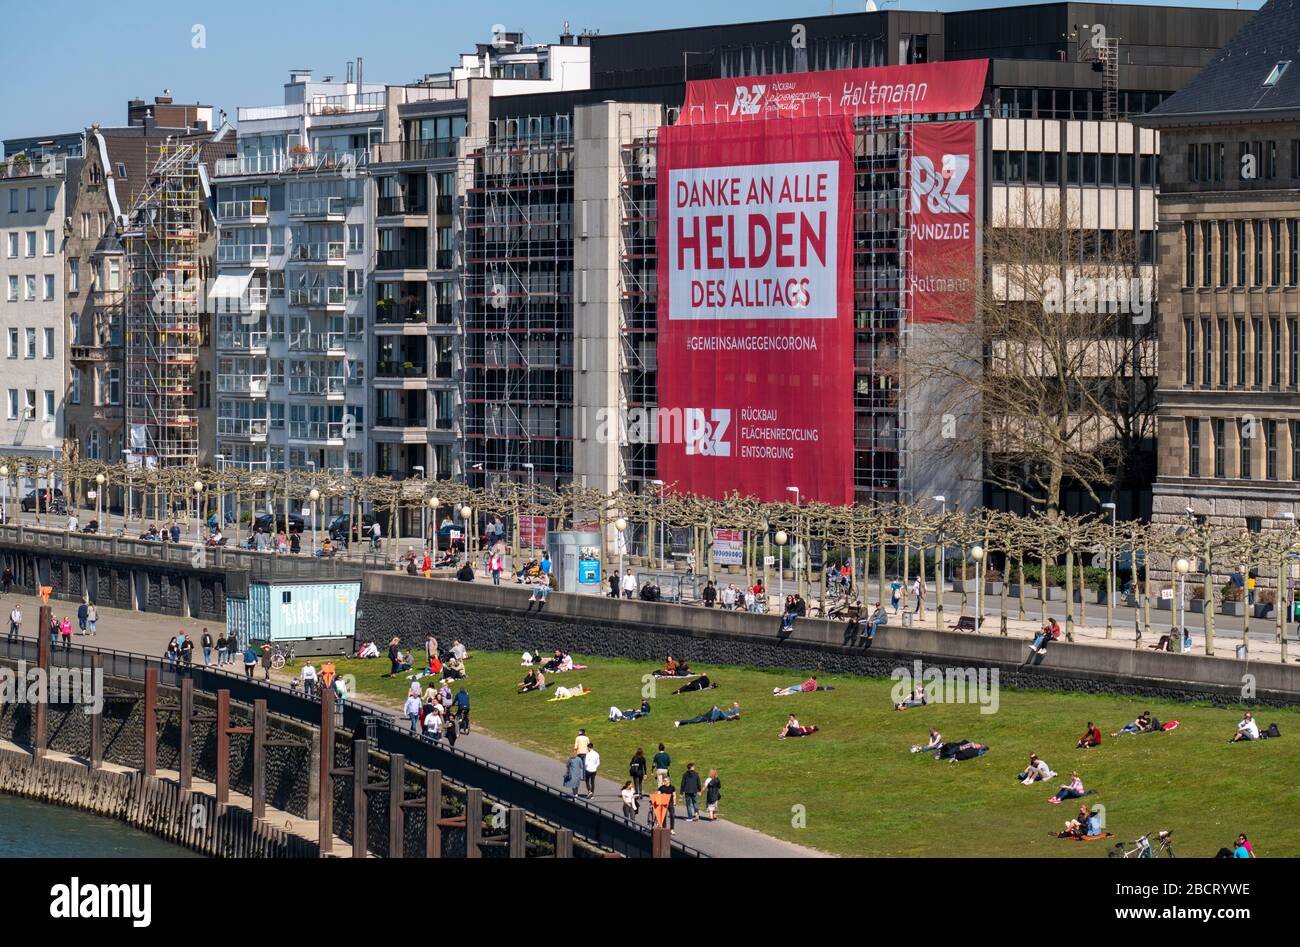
[350,72]
[361,74]
[162,100]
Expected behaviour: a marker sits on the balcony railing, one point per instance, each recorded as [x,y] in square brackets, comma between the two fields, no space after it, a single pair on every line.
[331,252]
[250,164]
[318,342]
[34,166]
[318,297]
[317,385]
[242,384]
[255,209]
[317,207]
[321,162]
[250,428]
[345,104]
[402,422]
[397,205]
[428,150]
[257,296]
[390,313]
[246,254]
[401,370]
[316,430]
[242,341]
[406,259]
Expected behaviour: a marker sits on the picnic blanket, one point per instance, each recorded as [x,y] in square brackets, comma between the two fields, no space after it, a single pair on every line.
[576,667]
[568,694]
[1081,838]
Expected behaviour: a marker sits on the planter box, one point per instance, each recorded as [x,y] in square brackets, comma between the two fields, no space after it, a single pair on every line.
[1232,608]
[1164,604]
[1197,605]
[1130,600]
[1055,593]
[1031,592]
[993,588]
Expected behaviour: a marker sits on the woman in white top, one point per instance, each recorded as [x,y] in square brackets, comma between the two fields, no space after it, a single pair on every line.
[629,800]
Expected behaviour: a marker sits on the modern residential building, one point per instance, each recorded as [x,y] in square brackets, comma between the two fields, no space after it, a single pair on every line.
[1230,268]
[558,233]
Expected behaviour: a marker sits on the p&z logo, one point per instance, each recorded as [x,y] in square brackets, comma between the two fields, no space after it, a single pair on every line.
[705,437]
[939,188]
[749,99]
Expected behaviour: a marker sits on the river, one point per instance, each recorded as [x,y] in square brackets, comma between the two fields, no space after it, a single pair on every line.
[35,830]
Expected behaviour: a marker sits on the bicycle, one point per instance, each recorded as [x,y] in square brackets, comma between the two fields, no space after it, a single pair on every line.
[281,655]
[1142,847]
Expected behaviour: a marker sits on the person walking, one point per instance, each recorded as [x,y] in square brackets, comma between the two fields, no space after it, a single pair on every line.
[637,769]
[65,633]
[712,795]
[629,584]
[15,621]
[412,708]
[205,642]
[7,579]
[92,619]
[462,709]
[662,761]
[581,743]
[918,593]
[629,797]
[82,612]
[591,763]
[309,679]
[495,567]
[223,649]
[232,645]
[54,631]
[250,661]
[691,790]
[613,584]
[573,772]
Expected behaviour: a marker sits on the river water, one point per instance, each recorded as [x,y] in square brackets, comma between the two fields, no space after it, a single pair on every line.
[36,830]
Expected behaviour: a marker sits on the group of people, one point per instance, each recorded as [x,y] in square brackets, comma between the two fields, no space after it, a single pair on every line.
[662,802]
[436,712]
[734,597]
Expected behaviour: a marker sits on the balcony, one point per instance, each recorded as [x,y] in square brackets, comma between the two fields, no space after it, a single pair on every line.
[348,103]
[318,208]
[325,162]
[333,253]
[243,254]
[317,432]
[316,386]
[242,343]
[257,296]
[251,212]
[319,297]
[318,343]
[249,386]
[88,353]
[252,430]
[249,165]
[24,165]
[431,149]
[391,313]
[401,370]
[401,206]
[402,423]
[409,258]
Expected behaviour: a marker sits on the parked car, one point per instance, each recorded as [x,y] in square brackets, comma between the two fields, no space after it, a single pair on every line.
[58,505]
[340,532]
[262,524]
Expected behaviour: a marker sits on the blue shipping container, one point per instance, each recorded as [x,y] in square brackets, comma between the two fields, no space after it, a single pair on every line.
[295,612]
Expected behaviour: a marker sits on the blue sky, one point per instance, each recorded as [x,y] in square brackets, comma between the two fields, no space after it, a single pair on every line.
[66,64]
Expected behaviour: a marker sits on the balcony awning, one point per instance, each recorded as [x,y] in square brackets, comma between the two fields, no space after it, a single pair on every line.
[230,286]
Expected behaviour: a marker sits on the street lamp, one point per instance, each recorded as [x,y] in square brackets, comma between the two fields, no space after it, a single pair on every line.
[620,524]
[4,493]
[198,510]
[314,495]
[1181,566]
[1110,589]
[434,503]
[943,501]
[99,502]
[660,485]
[465,513]
[781,538]
[977,553]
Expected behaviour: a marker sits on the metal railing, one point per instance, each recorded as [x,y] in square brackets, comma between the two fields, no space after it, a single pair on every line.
[318,297]
[316,430]
[242,384]
[317,207]
[241,341]
[248,254]
[241,210]
[34,166]
[408,259]
[334,251]
[389,313]
[249,164]
[317,385]
[348,102]
[253,428]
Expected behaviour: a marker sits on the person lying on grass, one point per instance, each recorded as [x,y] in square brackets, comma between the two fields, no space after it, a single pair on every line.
[631,714]
[935,741]
[918,699]
[564,693]
[1074,790]
[807,687]
[534,680]
[701,683]
[793,728]
[1091,737]
[713,716]
[1036,771]
[1143,724]
[955,750]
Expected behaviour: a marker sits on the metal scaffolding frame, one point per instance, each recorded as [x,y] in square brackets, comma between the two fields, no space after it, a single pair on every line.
[163,331]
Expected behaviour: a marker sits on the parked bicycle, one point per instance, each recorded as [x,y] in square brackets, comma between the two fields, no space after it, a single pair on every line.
[1142,847]
[282,655]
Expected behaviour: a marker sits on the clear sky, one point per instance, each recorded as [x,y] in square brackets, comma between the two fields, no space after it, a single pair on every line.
[67,63]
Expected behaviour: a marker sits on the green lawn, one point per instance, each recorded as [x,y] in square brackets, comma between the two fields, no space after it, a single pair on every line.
[863,793]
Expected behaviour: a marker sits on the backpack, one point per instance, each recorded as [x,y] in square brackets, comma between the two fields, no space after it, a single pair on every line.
[1273,731]
[636,768]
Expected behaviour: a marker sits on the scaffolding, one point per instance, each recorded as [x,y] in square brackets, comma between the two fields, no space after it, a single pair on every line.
[638,303]
[163,331]
[517,302]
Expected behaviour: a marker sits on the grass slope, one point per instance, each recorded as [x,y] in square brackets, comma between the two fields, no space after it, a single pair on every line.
[861,791]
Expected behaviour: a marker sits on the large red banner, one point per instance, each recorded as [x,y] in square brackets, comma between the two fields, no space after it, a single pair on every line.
[922,89]
[942,222]
[755,308]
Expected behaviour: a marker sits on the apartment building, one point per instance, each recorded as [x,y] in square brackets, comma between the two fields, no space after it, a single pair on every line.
[1230,280]
[559,233]
[38,190]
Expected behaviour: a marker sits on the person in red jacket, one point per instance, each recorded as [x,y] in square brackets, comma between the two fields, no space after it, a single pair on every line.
[1090,738]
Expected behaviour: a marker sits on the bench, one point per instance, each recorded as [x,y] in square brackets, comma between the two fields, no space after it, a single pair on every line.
[966,623]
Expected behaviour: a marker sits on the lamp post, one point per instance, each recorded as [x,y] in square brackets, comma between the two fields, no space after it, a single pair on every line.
[660,485]
[221,494]
[1110,588]
[1181,566]
[780,539]
[938,604]
[977,553]
[432,503]
[4,493]
[198,510]
[99,502]
[1283,600]
[798,522]
[620,524]
[532,496]
[314,495]
[465,513]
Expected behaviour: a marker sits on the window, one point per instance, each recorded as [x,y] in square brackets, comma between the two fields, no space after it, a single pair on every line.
[48,286]
[49,243]
[85,227]
[92,445]
[1275,337]
[1189,341]
[13,200]
[1276,73]
[1241,254]
[31,243]
[1220,446]
[49,405]
[74,276]
[1258,234]
[1259,353]
[13,400]
[1225,257]
[1254,524]
[1193,447]
[1275,235]
[13,289]
[1293,376]
[356,238]
[1295,450]
[1241,353]
[13,245]
[1246,429]
[51,196]
[29,287]
[1207,253]
[114,386]
[1207,356]
[48,334]
[1293,258]
[1224,350]
[74,385]
[31,343]
[114,274]
[1270,450]
[13,343]
[31,199]
[29,403]
[356,282]
[1189,254]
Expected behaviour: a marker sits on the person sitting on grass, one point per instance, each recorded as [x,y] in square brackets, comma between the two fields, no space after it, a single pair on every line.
[1141,725]
[1240,849]
[1085,825]
[715,715]
[793,728]
[1247,729]
[560,661]
[1074,790]
[534,680]
[1091,737]
[1049,633]
[673,668]
[454,669]
[1036,771]
[701,683]
[918,699]
[936,740]
[807,687]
